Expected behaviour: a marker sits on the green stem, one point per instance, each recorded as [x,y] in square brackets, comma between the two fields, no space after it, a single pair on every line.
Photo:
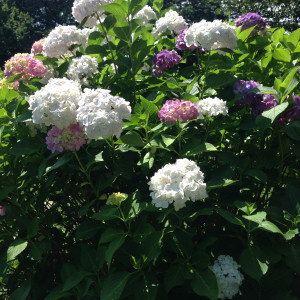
[179,131]
[205,73]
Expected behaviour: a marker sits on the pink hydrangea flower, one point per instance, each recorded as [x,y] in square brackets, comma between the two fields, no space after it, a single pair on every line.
[2,211]
[24,63]
[70,138]
[37,47]
[178,109]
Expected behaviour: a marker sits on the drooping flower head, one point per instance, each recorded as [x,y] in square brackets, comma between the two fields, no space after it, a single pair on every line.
[2,211]
[70,138]
[259,106]
[177,183]
[291,114]
[210,107]
[178,109]
[26,64]
[211,35]
[102,114]
[229,278]
[37,47]
[249,20]
[242,89]
[165,59]
[146,14]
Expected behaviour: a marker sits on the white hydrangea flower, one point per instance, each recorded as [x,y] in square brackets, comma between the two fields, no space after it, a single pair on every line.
[61,38]
[210,107]
[171,21]
[56,103]
[177,183]
[146,14]
[102,114]
[82,68]
[229,278]
[35,128]
[85,8]
[211,35]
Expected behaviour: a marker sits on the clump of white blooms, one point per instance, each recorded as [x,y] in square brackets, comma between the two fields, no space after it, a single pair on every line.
[81,69]
[210,107]
[56,103]
[61,38]
[229,278]
[86,8]
[102,114]
[211,35]
[177,183]
[171,21]
[146,14]
[35,128]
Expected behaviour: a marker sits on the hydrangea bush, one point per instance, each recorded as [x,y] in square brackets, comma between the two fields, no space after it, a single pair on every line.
[155,160]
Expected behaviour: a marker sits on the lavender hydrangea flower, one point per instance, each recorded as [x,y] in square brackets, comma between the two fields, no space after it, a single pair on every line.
[242,89]
[165,60]
[293,113]
[249,20]
[70,138]
[266,103]
[178,109]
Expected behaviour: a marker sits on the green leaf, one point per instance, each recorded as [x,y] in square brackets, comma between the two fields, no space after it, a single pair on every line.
[115,9]
[149,107]
[132,138]
[257,174]
[14,78]
[113,247]
[174,276]
[168,139]
[269,226]
[252,264]
[205,284]
[151,245]
[278,35]
[230,217]
[60,162]
[107,213]
[293,130]
[293,258]
[23,147]
[16,247]
[282,54]
[111,234]
[195,147]
[292,39]
[264,90]
[95,38]
[158,5]
[22,292]
[113,285]
[259,217]
[146,287]
[123,33]
[33,227]
[74,279]
[87,230]
[99,157]
[219,80]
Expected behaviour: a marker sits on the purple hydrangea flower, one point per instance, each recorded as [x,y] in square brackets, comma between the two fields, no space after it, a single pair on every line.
[165,60]
[180,43]
[249,20]
[293,113]
[2,211]
[242,89]
[70,138]
[178,109]
[266,103]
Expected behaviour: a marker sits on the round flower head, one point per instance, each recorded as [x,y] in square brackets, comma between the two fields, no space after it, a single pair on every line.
[291,114]
[171,21]
[177,183]
[116,199]
[165,60]
[242,90]
[26,64]
[2,211]
[70,138]
[56,103]
[9,85]
[86,8]
[61,38]
[210,107]
[211,35]
[178,109]
[250,20]
[268,101]
[229,278]
[81,69]
[37,47]
[146,14]
[102,114]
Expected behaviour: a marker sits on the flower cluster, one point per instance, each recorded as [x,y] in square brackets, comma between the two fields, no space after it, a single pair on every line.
[266,102]
[37,47]
[116,199]
[178,109]
[2,211]
[70,138]
[242,90]
[146,14]
[26,64]
[180,43]
[81,69]
[9,85]
[86,8]
[61,38]
[171,21]
[165,60]
[229,278]
[177,183]
[250,20]
[210,107]
[56,103]
[211,35]
[102,114]
[293,113]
